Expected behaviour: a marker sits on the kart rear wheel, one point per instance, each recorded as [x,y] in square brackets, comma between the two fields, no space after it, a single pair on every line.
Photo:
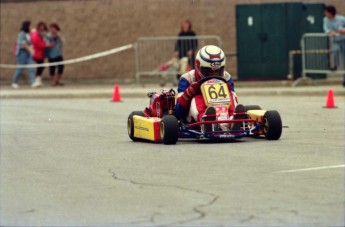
[169,129]
[272,125]
[130,124]
[252,107]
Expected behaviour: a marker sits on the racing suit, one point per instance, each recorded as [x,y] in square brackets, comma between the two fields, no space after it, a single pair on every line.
[195,109]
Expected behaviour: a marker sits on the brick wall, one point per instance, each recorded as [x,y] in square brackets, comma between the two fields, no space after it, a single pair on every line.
[91,26]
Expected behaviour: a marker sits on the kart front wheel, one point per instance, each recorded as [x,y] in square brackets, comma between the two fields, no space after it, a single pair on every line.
[169,129]
[130,124]
[272,125]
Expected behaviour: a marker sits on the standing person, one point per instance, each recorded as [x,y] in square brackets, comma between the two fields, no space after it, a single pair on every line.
[186,47]
[39,43]
[24,53]
[334,26]
[55,54]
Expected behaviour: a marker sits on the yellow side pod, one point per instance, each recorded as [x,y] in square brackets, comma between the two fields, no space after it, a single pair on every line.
[147,128]
[257,115]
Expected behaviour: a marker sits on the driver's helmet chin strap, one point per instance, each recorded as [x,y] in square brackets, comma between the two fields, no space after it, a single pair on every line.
[197,77]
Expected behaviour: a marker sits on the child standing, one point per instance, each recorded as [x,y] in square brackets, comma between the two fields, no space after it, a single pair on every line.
[55,54]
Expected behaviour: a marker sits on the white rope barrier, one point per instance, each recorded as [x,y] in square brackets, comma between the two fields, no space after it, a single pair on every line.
[71,61]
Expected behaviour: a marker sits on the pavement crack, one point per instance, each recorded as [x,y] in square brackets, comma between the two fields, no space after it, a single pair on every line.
[152,219]
[248,219]
[197,209]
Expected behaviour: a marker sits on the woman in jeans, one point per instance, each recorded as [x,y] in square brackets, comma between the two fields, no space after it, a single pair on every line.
[55,54]
[24,53]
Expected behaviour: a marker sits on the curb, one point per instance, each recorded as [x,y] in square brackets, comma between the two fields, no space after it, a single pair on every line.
[106,92]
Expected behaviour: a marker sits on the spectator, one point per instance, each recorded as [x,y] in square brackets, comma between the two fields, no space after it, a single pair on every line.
[39,43]
[23,53]
[55,54]
[186,47]
[334,26]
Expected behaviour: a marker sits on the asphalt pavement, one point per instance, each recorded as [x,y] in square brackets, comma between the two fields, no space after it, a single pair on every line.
[66,160]
[70,162]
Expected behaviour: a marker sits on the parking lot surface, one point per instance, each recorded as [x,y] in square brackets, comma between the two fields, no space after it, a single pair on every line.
[70,162]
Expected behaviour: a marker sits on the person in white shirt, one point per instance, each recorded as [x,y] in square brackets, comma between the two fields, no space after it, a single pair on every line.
[334,26]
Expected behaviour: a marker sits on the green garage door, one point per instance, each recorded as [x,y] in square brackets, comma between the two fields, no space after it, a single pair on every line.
[267,32]
[273,21]
[249,38]
[303,18]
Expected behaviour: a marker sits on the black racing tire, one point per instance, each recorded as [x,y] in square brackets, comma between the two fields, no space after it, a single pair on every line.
[251,107]
[169,129]
[272,125]
[130,124]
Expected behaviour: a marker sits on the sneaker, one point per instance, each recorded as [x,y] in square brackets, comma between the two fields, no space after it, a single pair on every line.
[239,109]
[15,86]
[37,83]
[209,115]
[58,83]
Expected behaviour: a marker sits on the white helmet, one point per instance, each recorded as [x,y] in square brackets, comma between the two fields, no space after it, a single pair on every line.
[210,61]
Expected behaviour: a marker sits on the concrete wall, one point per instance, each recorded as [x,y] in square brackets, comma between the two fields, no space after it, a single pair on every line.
[91,26]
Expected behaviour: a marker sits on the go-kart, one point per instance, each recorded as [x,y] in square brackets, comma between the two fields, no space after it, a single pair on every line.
[157,122]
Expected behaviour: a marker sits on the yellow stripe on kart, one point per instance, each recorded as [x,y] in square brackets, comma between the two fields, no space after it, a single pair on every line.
[256,114]
[146,128]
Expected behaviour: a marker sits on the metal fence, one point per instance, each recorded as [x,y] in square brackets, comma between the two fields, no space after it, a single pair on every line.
[163,58]
[322,54]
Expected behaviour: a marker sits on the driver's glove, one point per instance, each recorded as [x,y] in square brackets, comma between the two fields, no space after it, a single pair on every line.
[186,98]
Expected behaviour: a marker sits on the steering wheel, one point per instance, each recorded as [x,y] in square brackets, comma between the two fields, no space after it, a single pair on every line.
[210,78]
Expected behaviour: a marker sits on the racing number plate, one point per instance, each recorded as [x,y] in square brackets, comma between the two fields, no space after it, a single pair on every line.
[215,92]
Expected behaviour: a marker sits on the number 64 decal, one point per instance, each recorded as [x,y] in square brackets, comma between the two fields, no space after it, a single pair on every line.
[216,93]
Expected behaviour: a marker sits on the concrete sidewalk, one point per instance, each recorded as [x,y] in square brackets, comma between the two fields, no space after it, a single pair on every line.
[130,91]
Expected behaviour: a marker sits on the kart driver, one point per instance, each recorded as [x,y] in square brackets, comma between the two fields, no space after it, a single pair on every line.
[190,105]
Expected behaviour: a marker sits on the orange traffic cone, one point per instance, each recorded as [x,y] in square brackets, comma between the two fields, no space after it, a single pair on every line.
[330,99]
[116,94]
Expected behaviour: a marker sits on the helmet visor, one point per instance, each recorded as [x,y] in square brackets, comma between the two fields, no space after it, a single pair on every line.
[206,71]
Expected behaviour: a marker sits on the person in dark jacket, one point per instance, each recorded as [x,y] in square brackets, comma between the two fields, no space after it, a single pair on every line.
[186,47]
